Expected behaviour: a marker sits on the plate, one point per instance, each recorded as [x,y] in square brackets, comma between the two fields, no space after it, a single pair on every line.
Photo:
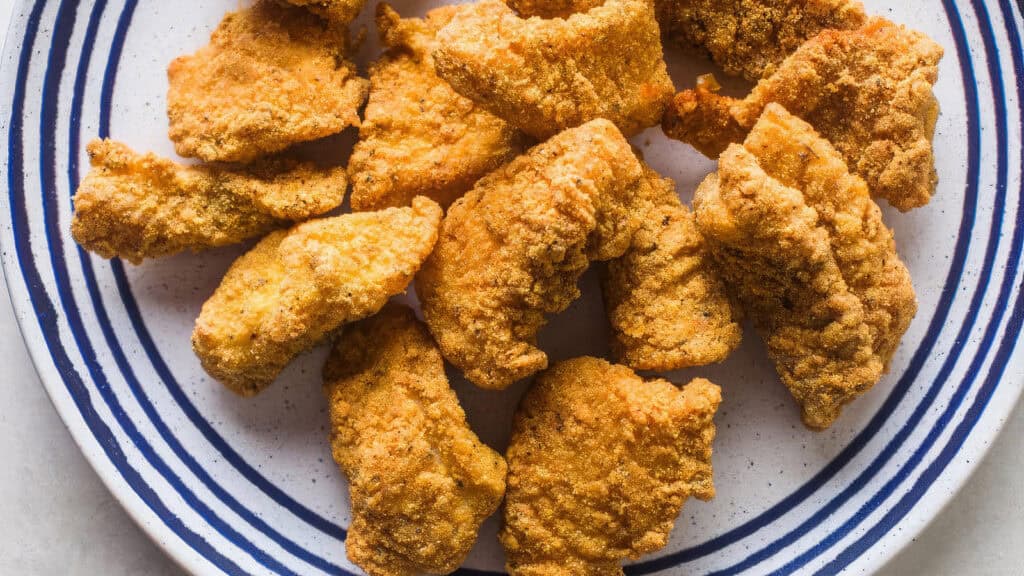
[247,486]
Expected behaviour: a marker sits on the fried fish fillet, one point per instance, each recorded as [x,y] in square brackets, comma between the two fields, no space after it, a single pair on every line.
[337,11]
[420,480]
[419,137]
[272,76]
[543,76]
[750,37]
[805,249]
[600,465]
[667,305]
[512,249]
[135,206]
[868,91]
[297,286]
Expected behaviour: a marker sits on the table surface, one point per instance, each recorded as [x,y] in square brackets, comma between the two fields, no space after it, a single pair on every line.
[60,519]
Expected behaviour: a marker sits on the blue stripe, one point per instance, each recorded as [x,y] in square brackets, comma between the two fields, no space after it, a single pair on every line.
[903,386]
[47,317]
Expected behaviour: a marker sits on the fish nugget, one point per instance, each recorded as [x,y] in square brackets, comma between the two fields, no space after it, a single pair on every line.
[804,247]
[600,465]
[419,137]
[544,76]
[337,11]
[868,91]
[750,37]
[297,286]
[420,480]
[512,249]
[273,75]
[667,304]
[135,206]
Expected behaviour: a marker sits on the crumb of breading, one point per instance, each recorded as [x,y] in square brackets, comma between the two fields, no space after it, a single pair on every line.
[419,137]
[551,8]
[868,91]
[512,249]
[750,37]
[272,76]
[667,305]
[135,206]
[337,11]
[600,465]
[543,76]
[803,246]
[420,480]
[297,286]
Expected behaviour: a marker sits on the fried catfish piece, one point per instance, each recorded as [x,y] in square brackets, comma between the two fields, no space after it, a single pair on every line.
[297,286]
[512,249]
[135,206]
[547,75]
[420,480]
[419,137]
[667,305]
[273,75]
[804,247]
[600,464]
[868,91]
[750,37]
[337,11]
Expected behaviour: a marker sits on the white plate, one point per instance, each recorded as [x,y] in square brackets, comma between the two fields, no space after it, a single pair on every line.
[236,486]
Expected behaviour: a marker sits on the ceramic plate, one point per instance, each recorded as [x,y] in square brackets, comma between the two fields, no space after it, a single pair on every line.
[236,486]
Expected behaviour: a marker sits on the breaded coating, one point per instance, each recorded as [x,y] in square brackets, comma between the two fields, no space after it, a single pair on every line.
[667,305]
[600,465]
[420,480]
[804,247]
[297,286]
[750,37]
[544,76]
[512,249]
[135,206]
[551,8]
[868,91]
[337,11]
[419,137]
[272,76]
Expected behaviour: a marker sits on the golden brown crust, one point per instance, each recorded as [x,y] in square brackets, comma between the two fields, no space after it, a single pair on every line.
[337,11]
[600,464]
[750,37]
[547,75]
[420,480]
[272,76]
[667,305]
[135,206]
[868,91]
[804,248]
[297,286]
[551,8]
[419,137]
[512,249]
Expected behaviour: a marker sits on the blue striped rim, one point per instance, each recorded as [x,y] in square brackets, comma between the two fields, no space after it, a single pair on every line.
[107,111]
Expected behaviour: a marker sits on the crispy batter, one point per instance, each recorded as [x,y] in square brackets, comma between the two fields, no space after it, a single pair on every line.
[337,11]
[419,137]
[666,302]
[868,91]
[547,75]
[551,8]
[512,249]
[804,247]
[421,482]
[272,76]
[750,37]
[600,464]
[135,206]
[297,286]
